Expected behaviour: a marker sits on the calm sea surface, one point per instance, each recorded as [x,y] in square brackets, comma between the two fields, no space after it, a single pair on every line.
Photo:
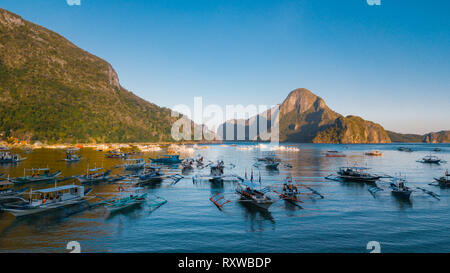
[344,221]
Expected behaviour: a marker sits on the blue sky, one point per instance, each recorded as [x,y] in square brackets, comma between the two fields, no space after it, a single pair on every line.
[388,63]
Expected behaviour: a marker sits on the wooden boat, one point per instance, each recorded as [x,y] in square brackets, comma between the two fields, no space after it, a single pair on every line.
[116,154]
[404,149]
[187,164]
[399,188]
[149,174]
[217,174]
[167,159]
[431,159]
[374,153]
[36,176]
[334,154]
[444,182]
[128,198]
[94,176]
[290,192]
[357,174]
[6,157]
[45,200]
[71,156]
[134,164]
[271,165]
[248,191]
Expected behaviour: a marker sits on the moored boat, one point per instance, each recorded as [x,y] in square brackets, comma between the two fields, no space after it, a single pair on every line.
[357,174]
[404,149]
[94,176]
[444,181]
[248,191]
[128,198]
[7,157]
[71,155]
[431,159]
[134,164]
[116,154]
[36,176]
[290,192]
[167,159]
[399,188]
[149,174]
[46,200]
[334,154]
[374,153]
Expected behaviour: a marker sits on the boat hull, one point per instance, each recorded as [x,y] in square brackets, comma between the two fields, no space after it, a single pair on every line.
[34,211]
[26,180]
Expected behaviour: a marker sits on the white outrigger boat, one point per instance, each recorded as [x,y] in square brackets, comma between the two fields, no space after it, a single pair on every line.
[248,191]
[217,173]
[94,175]
[47,199]
[133,164]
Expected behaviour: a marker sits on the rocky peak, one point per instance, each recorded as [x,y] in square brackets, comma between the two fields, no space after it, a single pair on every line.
[301,100]
[10,20]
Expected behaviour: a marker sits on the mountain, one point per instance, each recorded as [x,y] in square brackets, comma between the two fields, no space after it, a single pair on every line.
[437,137]
[305,117]
[51,90]
[411,138]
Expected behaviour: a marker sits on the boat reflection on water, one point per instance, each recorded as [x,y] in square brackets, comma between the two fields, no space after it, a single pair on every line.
[258,218]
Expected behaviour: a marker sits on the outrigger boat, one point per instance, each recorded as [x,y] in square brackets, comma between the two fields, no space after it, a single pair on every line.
[444,182]
[116,154]
[248,191]
[217,173]
[290,192]
[374,153]
[7,191]
[7,157]
[400,189]
[71,156]
[36,176]
[404,149]
[46,200]
[167,159]
[94,175]
[187,164]
[334,154]
[128,198]
[431,159]
[149,174]
[272,165]
[134,164]
[357,174]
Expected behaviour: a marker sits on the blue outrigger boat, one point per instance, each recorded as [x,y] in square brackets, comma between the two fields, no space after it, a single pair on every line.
[36,176]
[167,159]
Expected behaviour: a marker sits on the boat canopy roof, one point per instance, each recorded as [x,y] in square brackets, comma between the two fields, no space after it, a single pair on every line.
[96,169]
[62,188]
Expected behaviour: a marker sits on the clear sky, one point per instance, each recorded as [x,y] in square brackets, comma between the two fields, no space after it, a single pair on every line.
[388,63]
